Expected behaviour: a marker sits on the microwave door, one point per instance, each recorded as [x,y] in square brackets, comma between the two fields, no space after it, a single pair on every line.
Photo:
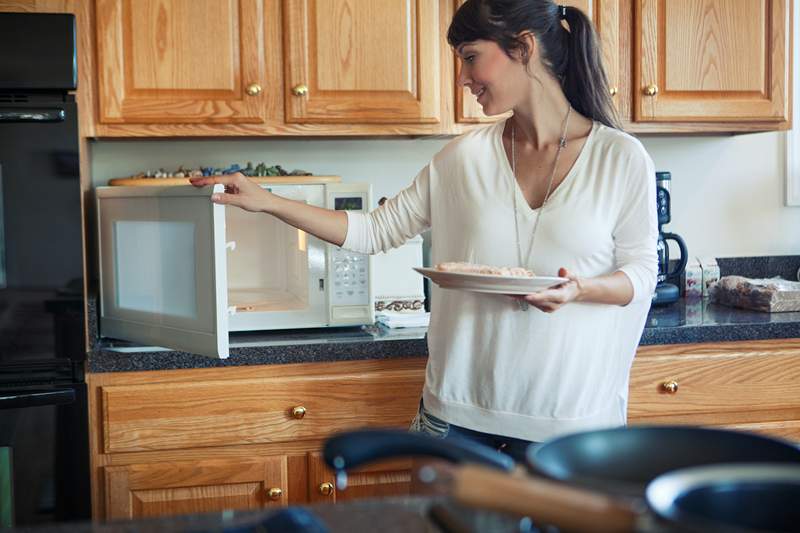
[163,268]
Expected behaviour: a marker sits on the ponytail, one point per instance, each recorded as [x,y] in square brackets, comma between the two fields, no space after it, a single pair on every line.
[571,54]
[584,80]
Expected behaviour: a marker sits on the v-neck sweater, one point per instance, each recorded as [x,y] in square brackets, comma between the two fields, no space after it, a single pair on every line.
[493,367]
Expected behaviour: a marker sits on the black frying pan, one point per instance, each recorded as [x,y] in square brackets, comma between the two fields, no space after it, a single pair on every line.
[623,461]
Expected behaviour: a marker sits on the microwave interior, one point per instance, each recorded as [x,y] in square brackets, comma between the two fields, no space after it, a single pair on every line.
[268,265]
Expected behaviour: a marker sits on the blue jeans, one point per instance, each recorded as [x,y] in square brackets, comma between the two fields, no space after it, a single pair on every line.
[429,424]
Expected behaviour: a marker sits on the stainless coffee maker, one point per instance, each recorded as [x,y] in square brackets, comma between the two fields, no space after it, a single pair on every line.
[667,293]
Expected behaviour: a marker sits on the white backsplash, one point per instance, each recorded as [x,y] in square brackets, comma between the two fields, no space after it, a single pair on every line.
[727,191]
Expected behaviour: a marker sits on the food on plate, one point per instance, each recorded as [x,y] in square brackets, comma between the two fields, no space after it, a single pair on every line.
[471,268]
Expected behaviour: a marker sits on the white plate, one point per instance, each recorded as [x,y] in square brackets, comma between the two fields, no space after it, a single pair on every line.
[489,283]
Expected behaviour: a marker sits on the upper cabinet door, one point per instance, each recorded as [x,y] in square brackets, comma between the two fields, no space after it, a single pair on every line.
[175,61]
[605,14]
[362,61]
[711,60]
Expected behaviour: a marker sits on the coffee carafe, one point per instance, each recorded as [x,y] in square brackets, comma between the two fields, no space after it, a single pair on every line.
[667,293]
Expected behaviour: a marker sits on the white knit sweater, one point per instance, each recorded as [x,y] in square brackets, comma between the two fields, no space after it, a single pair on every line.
[528,374]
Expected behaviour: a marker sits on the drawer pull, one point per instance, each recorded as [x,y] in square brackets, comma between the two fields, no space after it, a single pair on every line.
[326,489]
[274,493]
[670,387]
[298,412]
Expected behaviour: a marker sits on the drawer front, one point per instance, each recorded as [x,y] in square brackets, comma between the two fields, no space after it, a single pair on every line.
[715,390]
[171,416]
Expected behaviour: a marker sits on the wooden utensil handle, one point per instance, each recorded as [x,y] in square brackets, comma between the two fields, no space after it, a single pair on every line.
[545,501]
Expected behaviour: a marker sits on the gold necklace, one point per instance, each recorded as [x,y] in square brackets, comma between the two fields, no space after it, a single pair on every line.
[562,142]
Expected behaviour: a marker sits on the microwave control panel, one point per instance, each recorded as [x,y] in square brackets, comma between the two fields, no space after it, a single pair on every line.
[350,278]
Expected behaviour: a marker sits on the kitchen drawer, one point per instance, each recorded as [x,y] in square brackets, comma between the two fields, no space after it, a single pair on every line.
[715,389]
[172,416]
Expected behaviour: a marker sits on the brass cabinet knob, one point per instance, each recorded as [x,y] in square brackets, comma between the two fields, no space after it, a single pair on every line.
[274,493]
[326,489]
[298,412]
[651,90]
[670,387]
[613,91]
[300,90]
[253,89]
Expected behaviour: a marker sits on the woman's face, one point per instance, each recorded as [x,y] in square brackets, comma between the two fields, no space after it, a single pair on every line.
[497,80]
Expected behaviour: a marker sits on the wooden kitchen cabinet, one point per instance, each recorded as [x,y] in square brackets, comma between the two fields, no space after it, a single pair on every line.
[751,386]
[181,61]
[146,490]
[356,67]
[713,61]
[380,480]
[606,16]
[360,61]
[182,441]
[173,68]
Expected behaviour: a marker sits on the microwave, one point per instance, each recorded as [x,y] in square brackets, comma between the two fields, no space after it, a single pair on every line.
[179,271]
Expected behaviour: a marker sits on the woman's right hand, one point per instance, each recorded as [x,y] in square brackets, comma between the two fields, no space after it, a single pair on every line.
[240,191]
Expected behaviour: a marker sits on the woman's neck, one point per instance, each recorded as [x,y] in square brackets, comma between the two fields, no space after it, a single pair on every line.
[539,120]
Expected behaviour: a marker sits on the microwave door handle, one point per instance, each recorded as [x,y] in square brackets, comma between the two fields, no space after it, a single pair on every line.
[11,399]
[31,115]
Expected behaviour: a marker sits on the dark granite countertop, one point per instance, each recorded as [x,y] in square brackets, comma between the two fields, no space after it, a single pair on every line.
[682,322]
[401,515]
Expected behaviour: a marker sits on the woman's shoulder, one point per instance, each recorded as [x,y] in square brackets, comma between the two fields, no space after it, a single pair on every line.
[471,143]
[615,142]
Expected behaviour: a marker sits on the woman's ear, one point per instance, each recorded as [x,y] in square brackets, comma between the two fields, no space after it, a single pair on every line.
[529,48]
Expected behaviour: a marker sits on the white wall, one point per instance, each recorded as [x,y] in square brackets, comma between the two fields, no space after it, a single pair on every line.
[728,191]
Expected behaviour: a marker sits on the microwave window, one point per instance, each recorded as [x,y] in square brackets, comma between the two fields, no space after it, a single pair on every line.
[353,203]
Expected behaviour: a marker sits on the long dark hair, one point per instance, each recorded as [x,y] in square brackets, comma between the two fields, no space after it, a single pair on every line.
[572,55]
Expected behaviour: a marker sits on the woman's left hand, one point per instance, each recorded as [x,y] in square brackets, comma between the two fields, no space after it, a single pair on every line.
[552,299]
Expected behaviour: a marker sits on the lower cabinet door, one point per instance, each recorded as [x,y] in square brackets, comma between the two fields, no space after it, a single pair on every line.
[384,479]
[174,488]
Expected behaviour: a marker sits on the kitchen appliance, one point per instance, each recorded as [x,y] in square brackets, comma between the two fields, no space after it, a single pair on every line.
[667,292]
[179,271]
[44,444]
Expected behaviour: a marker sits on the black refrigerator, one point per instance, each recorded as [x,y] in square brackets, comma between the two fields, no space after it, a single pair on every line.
[44,452]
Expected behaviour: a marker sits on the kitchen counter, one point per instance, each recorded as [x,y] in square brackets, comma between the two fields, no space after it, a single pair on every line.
[401,515]
[682,322]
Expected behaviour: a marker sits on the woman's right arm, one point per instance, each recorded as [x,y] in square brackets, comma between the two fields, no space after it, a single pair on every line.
[325,224]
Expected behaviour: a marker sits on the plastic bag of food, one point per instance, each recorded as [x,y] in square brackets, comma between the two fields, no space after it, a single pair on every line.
[770,295]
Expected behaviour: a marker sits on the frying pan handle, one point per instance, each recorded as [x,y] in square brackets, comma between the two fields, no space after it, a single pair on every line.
[355,448]
[549,502]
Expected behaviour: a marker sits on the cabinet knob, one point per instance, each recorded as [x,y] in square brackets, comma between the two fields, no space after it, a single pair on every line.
[670,387]
[613,91]
[651,90]
[274,493]
[326,489]
[253,89]
[298,412]
[300,90]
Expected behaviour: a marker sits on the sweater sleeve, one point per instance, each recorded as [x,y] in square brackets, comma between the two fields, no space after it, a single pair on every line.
[397,220]
[636,230]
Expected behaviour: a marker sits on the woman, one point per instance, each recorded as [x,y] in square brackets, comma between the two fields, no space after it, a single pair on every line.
[556,188]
